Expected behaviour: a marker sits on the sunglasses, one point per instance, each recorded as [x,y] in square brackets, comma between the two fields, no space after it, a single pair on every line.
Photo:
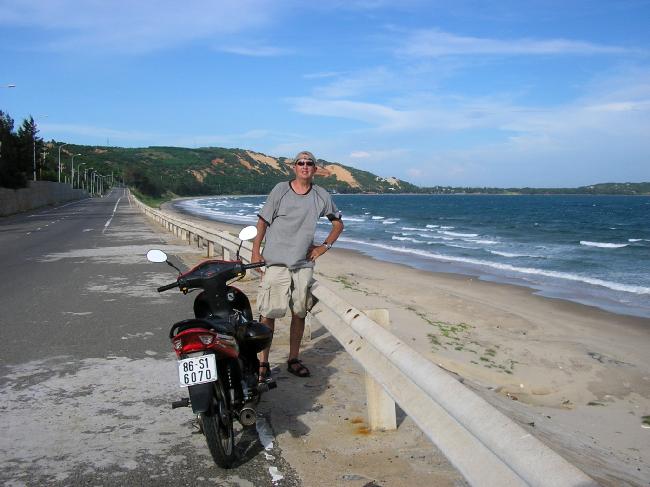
[302,162]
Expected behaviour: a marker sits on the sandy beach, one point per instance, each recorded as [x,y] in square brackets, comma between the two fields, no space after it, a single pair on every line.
[575,376]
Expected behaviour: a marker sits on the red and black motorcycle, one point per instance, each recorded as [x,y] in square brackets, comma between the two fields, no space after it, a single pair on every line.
[217,350]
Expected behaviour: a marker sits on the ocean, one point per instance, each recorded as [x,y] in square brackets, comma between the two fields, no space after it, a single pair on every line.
[593,250]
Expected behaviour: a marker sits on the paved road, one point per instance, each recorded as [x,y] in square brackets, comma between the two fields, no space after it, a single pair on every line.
[86,371]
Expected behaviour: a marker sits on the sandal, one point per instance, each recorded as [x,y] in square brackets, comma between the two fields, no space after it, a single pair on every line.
[300,371]
[266,375]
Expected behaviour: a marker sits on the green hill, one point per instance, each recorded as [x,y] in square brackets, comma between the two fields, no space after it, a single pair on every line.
[155,171]
[163,172]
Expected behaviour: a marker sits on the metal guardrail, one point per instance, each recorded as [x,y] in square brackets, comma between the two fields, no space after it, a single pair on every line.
[487,448]
[217,242]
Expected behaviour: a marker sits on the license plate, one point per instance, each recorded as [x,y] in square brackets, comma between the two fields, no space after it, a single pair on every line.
[197,370]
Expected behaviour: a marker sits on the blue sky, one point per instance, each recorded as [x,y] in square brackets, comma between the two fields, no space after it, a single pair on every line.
[510,93]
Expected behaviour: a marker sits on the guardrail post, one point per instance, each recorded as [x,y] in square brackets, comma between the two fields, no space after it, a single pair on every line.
[226,254]
[381,407]
[210,248]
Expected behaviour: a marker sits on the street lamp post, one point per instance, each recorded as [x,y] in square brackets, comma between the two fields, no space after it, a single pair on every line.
[60,147]
[86,178]
[99,184]
[79,174]
[72,171]
[45,153]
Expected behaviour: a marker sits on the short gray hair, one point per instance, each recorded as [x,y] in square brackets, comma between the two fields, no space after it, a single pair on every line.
[305,154]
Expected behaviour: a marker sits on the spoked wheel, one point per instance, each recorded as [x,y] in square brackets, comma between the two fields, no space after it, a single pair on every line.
[219,434]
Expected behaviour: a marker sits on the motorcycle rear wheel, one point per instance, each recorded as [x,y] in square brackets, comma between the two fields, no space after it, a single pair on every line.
[219,434]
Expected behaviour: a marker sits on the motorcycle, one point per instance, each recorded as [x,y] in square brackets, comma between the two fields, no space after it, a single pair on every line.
[217,350]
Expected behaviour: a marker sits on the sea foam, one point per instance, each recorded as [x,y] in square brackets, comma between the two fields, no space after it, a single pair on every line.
[507,267]
[602,245]
[512,254]
[456,234]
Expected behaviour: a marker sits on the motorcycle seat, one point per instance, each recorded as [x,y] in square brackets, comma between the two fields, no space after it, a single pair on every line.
[220,326]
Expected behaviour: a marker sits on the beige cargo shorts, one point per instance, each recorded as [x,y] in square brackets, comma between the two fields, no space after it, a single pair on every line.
[282,289]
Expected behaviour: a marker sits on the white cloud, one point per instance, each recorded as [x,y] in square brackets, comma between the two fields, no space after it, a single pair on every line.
[207,140]
[136,138]
[418,113]
[128,26]
[362,82]
[581,141]
[622,106]
[320,75]
[435,43]
[59,130]
[600,137]
[372,113]
[255,51]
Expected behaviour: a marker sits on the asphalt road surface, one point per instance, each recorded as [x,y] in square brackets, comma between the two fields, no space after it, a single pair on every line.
[86,369]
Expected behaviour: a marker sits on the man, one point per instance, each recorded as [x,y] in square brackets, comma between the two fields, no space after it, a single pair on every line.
[288,220]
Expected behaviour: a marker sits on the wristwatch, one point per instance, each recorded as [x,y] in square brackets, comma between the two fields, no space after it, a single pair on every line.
[327,245]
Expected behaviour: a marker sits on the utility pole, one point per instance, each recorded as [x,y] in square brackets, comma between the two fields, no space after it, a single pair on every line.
[72,171]
[42,165]
[60,147]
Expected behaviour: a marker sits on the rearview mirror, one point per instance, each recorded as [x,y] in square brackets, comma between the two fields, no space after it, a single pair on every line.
[155,255]
[248,233]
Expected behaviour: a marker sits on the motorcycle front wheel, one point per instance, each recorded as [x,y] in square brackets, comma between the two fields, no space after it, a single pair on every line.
[219,433]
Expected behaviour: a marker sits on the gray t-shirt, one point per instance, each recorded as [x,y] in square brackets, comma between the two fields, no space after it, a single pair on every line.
[292,221]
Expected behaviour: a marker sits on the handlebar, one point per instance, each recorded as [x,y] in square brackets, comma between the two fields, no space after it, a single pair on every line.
[167,286]
[182,282]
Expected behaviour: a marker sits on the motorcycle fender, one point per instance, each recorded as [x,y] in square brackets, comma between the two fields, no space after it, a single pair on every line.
[201,396]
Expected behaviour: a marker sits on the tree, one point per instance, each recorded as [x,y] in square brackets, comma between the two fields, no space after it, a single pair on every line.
[142,181]
[11,174]
[29,144]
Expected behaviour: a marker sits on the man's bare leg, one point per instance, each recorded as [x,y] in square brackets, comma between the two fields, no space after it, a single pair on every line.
[295,335]
[264,354]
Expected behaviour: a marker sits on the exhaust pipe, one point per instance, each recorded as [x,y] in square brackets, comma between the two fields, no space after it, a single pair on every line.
[181,403]
[247,416]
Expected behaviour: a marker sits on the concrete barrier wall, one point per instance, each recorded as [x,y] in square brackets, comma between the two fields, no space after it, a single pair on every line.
[37,194]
